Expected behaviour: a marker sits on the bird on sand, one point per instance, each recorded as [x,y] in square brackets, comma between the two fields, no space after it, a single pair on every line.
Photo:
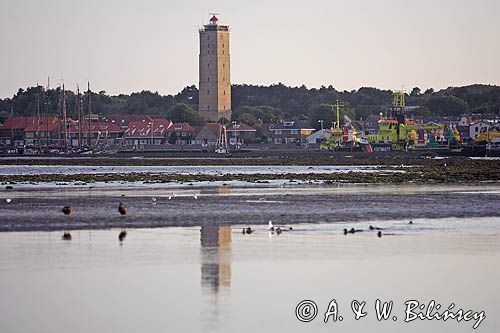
[411,222]
[67,210]
[247,230]
[8,200]
[272,227]
[122,235]
[379,234]
[122,209]
[351,231]
[375,228]
[66,236]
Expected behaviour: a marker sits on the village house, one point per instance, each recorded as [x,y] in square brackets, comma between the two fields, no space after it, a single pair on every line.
[207,136]
[180,134]
[288,132]
[240,133]
[12,131]
[100,133]
[43,131]
[370,124]
[480,127]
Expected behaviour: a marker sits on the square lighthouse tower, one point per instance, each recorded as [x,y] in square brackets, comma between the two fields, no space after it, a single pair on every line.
[215,80]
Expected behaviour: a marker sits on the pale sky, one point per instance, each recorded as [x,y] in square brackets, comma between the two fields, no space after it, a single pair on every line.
[123,46]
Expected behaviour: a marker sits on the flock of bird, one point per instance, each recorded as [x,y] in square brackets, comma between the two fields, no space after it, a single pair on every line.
[123,210]
[371,228]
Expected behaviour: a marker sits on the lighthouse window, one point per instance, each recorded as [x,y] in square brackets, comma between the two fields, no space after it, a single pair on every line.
[208,92]
[222,51]
[208,65]
[208,79]
[208,37]
[208,107]
[224,92]
[223,65]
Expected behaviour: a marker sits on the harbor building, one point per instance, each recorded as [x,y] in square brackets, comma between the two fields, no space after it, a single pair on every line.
[214,71]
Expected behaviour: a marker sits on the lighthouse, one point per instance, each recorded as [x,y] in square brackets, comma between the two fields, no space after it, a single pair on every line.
[214,72]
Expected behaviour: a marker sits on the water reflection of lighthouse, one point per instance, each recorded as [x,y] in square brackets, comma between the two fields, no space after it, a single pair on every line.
[215,257]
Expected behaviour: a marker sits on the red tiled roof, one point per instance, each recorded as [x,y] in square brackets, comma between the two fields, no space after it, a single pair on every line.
[213,127]
[16,123]
[45,124]
[94,127]
[142,129]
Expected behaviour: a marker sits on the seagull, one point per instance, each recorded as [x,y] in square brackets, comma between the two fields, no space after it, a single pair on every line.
[278,230]
[153,200]
[67,210]
[247,231]
[8,200]
[122,209]
[195,197]
[281,228]
[411,222]
[169,197]
[379,234]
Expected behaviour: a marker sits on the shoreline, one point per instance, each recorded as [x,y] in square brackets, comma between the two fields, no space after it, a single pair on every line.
[389,169]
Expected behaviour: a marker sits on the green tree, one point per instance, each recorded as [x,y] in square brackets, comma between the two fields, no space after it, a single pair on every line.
[416,92]
[446,105]
[248,118]
[183,113]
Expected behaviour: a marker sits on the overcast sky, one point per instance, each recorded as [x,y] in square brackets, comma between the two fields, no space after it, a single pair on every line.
[124,46]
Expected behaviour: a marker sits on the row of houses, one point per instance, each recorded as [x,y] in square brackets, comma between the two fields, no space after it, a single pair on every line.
[139,130]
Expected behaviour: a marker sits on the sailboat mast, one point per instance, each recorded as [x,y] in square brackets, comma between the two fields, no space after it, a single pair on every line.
[47,113]
[65,119]
[37,109]
[79,113]
[89,139]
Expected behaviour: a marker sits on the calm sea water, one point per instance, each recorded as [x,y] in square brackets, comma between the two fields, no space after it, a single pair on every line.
[215,279]
[186,266]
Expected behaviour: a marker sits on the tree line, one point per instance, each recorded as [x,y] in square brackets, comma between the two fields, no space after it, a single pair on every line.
[254,104]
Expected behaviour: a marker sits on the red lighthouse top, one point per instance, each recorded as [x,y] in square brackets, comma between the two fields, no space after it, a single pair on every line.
[214,20]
